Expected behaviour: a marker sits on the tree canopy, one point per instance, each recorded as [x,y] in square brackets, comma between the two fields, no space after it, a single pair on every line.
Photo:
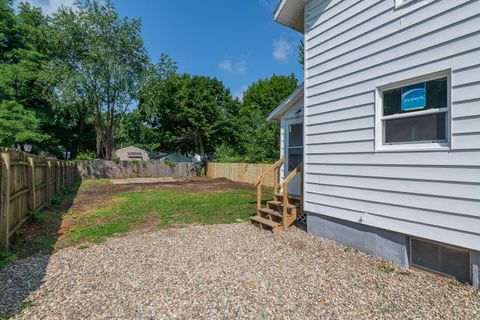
[188,114]
[259,138]
[81,81]
[99,66]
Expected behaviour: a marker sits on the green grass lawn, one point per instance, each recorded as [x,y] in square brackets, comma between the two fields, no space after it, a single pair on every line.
[165,208]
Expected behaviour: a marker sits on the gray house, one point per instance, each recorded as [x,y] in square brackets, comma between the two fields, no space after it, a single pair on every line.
[389,132]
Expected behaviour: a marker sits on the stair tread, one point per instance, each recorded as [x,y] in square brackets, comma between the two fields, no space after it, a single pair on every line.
[291,196]
[270,223]
[279,203]
[272,212]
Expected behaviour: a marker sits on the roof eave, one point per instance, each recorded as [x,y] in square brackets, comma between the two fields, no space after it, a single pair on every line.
[290,13]
[276,115]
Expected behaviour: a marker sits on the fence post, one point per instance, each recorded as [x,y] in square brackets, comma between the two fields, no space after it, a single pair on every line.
[57,178]
[62,174]
[31,184]
[49,182]
[67,174]
[5,202]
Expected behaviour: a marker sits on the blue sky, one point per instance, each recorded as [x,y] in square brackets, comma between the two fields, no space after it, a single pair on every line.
[235,41]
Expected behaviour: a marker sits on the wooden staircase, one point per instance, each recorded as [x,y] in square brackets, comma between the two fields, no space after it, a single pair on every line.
[280,213]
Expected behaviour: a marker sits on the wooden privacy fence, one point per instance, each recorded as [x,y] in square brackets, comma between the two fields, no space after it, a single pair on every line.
[96,169]
[241,172]
[28,183]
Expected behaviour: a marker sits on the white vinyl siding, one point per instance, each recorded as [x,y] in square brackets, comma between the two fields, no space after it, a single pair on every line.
[351,49]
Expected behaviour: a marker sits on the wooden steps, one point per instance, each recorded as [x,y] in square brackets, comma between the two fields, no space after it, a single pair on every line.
[275,226]
[281,212]
[271,212]
[279,204]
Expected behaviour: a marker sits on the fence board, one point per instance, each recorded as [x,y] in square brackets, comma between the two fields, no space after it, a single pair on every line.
[241,172]
[27,183]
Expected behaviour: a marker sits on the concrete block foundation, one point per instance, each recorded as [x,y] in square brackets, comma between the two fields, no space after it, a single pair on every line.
[389,245]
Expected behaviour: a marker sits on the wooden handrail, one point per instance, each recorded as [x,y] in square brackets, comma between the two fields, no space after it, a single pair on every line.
[285,183]
[273,167]
[258,183]
[293,174]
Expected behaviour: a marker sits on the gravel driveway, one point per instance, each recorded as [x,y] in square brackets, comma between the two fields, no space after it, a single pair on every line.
[228,272]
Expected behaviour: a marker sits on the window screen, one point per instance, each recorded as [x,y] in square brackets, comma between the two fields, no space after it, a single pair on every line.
[295,146]
[444,259]
[416,129]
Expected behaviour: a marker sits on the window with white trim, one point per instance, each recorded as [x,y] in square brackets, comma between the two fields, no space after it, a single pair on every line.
[414,114]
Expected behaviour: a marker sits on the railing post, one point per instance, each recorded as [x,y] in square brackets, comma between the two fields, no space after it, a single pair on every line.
[259,198]
[302,172]
[31,184]
[276,179]
[285,205]
[5,202]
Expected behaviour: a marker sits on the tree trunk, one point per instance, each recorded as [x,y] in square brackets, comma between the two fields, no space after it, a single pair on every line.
[99,141]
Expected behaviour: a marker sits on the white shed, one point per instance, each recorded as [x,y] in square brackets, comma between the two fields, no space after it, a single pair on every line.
[132,153]
[392,127]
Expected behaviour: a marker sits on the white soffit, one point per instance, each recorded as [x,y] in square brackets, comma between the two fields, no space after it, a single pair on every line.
[290,13]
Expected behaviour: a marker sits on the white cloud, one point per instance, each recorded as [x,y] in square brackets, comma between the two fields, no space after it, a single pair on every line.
[48,6]
[225,65]
[228,66]
[282,50]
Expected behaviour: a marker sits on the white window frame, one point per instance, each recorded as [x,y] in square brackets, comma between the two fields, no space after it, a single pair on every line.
[399,3]
[412,146]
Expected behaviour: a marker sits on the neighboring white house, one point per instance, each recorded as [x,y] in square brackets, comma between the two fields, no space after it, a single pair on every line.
[391,127]
[132,153]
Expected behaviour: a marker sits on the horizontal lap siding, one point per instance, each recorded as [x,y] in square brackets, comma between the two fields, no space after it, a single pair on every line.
[352,47]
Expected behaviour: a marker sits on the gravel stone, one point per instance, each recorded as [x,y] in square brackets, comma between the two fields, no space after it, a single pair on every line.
[226,272]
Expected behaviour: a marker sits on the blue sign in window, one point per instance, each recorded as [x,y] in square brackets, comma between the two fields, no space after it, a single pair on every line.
[414,97]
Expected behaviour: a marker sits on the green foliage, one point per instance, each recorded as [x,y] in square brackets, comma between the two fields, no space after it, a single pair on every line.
[66,194]
[351,250]
[24,51]
[133,131]
[18,126]
[6,258]
[100,65]
[187,114]
[226,154]
[259,138]
[87,155]
[171,164]
[386,268]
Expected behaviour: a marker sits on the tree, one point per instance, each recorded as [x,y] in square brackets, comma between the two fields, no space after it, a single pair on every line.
[23,54]
[188,114]
[259,138]
[18,126]
[133,131]
[100,64]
